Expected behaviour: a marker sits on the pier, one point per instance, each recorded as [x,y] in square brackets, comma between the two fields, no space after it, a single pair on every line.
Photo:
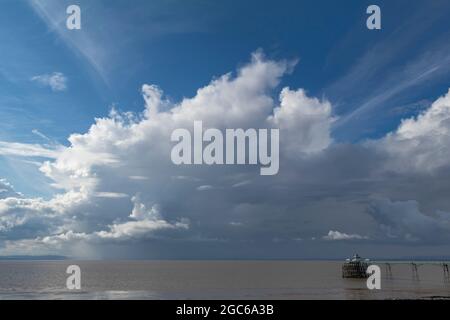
[356,267]
[414,267]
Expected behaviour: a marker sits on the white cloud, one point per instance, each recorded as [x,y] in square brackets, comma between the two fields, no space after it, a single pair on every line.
[143,224]
[41,135]
[119,151]
[242,183]
[138,178]
[29,150]
[24,217]
[57,81]
[336,235]
[419,144]
[138,229]
[128,154]
[205,188]
[306,122]
[111,195]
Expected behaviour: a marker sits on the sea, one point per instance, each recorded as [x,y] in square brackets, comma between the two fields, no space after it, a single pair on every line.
[211,280]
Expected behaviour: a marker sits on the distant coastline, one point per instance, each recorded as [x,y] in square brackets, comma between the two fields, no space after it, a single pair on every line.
[31,258]
[61,258]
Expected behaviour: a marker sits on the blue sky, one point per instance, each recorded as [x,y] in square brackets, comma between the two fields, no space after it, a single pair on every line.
[181,45]
[373,79]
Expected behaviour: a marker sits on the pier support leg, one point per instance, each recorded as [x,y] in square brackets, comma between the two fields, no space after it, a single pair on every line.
[388,270]
[446,272]
[415,272]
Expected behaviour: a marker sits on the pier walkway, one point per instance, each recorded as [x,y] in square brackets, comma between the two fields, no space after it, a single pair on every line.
[414,266]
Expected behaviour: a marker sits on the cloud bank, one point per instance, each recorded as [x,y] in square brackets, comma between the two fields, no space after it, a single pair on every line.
[117,185]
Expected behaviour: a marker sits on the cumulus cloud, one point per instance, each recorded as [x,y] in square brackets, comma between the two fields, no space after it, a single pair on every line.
[421,143]
[56,81]
[117,183]
[24,217]
[306,122]
[108,162]
[336,235]
[142,223]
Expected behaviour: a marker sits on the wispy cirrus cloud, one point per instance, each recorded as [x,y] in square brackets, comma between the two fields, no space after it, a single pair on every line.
[427,68]
[391,71]
[53,13]
[93,42]
[29,150]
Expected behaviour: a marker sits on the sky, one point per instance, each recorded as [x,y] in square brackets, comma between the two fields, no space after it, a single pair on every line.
[87,115]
